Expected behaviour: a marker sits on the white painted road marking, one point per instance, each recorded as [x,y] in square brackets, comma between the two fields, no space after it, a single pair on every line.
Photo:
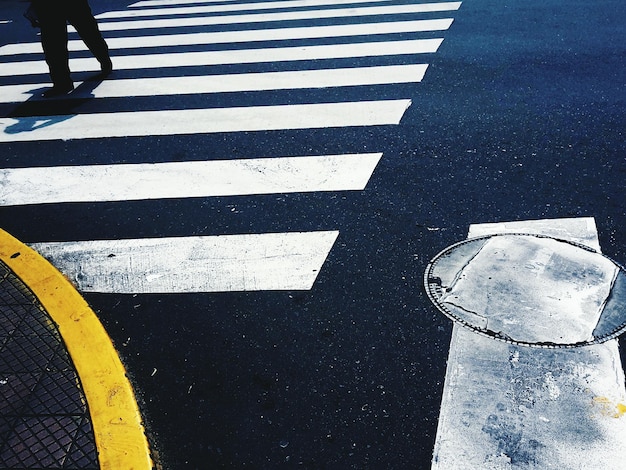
[269,17]
[510,406]
[222,263]
[512,287]
[156,3]
[229,7]
[202,121]
[232,37]
[226,263]
[579,230]
[241,56]
[299,79]
[89,183]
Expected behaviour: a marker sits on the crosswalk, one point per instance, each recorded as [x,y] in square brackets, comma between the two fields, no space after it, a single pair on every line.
[164,49]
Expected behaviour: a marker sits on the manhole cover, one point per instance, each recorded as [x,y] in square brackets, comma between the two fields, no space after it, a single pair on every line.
[530,289]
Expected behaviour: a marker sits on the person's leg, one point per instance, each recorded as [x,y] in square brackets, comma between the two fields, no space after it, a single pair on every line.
[54,42]
[80,16]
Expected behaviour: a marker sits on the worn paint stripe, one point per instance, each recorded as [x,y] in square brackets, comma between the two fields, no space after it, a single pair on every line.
[507,405]
[115,416]
[156,3]
[232,37]
[204,9]
[580,229]
[225,263]
[242,56]
[270,17]
[202,121]
[176,9]
[96,183]
[232,83]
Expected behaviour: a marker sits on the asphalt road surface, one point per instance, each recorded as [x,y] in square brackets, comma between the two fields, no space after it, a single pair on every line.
[519,115]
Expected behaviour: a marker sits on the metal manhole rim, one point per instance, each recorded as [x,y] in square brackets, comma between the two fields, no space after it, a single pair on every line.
[431,284]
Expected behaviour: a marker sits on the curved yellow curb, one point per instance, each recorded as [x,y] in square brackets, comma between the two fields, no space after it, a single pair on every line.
[116,421]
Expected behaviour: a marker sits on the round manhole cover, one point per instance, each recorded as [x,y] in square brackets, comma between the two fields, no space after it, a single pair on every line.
[530,289]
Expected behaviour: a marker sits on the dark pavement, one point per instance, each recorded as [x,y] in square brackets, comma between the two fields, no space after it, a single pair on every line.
[520,116]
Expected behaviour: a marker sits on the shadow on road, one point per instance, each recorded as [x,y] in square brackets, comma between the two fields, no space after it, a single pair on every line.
[38,112]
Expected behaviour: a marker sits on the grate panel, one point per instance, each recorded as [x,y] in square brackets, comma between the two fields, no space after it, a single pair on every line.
[44,420]
[39,442]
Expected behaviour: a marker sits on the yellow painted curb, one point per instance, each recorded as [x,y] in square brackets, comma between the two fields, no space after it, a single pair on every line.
[115,417]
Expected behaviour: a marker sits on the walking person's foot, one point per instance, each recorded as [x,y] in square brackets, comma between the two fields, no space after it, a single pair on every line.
[106,67]
[58,90]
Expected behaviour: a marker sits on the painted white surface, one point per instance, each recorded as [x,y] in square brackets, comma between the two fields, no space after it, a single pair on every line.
[226,263]
[232,37]
[202,121]
[230,262]
[269,17]
[176,9]
[156,3]
[533,290]
[242,56]
[98,183]
[578,230]
[300,79]
[506,406]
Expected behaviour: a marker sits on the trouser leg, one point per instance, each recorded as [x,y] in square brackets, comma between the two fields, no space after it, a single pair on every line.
[80,16]
[54,41]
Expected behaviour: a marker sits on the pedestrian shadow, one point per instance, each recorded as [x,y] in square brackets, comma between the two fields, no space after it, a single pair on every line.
[38,112]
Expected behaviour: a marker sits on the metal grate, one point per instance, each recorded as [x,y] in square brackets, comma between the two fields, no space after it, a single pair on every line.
[44,420]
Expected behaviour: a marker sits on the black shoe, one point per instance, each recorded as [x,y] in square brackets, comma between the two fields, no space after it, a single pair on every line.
[58,90]
[106,67]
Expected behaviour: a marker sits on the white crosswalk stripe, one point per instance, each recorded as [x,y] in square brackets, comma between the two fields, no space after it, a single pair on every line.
[154,3]
[289,80]
[202,121]
[186,179]
[281,16]
[241,56]
[177,10]
[248,262]
[375,42]
[230,37]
